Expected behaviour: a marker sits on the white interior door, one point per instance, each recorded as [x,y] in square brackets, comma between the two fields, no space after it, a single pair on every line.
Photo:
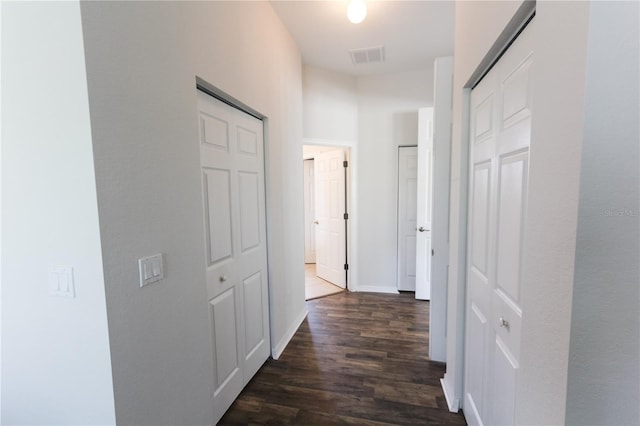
[500,138]
[309,212]
[424,203]
[232,162]
[407,210]
[330,223]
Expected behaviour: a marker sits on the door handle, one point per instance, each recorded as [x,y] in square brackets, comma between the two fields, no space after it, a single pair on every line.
[316,222]
[422,229]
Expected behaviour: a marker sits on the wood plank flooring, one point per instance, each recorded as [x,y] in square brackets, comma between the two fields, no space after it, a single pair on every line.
[358,359]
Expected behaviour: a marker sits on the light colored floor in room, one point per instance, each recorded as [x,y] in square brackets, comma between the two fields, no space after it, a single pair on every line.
[317,287]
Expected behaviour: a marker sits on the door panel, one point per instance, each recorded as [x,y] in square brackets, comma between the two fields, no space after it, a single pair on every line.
[330,209]
[483,127]
[407,217]
[512,192]
[247,142]
[504,385]
[223,310]
[231,158]
[499,168]
[215,131]
[253,313]
[475,380]
[249,210]
[480,217]
[516,92]
[424,204]
[217,202]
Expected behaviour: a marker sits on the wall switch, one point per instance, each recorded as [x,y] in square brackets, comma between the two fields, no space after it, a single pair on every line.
[61,282]
[151,269]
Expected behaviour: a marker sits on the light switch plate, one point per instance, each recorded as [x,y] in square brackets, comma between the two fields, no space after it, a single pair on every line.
[151,269]
[61,282]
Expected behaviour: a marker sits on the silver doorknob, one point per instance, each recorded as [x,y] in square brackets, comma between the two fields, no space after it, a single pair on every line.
[503,322]
[316,222]
[223,278]
[422,229]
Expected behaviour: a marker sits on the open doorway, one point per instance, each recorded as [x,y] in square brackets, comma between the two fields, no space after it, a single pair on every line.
[325,219]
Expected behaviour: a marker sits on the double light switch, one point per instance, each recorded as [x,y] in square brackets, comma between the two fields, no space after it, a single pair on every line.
[151,269]
[61,282]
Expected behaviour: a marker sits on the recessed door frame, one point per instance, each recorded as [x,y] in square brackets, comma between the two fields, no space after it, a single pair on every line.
[350,148]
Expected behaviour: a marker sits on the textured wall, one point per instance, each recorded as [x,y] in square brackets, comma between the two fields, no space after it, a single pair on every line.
[142,63]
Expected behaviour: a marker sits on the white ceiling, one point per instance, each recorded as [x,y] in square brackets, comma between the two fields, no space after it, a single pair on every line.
[412,32]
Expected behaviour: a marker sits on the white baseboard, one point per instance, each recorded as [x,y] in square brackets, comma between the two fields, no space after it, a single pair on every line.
[452,402]
[376,289]
[277,350]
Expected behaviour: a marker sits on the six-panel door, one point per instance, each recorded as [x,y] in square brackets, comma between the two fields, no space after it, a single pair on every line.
[330,209]
[232,163]
[500,139]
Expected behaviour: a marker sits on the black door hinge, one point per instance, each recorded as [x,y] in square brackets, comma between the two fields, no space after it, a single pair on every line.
[346,266]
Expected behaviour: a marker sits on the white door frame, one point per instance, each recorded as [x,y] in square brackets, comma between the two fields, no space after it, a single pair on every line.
[453,388]
[350,148]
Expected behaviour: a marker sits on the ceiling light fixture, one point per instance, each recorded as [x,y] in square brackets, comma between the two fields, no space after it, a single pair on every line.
[356,11]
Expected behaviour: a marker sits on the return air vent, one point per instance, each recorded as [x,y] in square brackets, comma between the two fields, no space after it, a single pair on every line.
[367,55]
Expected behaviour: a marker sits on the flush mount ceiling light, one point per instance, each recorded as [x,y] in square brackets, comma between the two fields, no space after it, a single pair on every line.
[356,11]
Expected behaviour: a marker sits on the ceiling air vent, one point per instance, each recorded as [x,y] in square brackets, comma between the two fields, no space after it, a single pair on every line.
[367,56]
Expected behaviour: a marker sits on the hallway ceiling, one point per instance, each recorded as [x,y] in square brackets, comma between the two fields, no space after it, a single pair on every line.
[413,33]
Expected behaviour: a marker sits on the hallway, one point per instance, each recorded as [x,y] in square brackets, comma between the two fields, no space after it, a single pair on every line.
[358,358]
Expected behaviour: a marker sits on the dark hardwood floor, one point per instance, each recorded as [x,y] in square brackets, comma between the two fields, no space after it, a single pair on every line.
[359,358]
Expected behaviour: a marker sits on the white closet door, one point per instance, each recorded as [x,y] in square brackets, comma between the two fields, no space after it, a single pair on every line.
[500,138]
[232,162]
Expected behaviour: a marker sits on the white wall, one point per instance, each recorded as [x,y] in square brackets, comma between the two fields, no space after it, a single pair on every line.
[330,105]
[604,364]
[56,367]
[142,60]
[387,117]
